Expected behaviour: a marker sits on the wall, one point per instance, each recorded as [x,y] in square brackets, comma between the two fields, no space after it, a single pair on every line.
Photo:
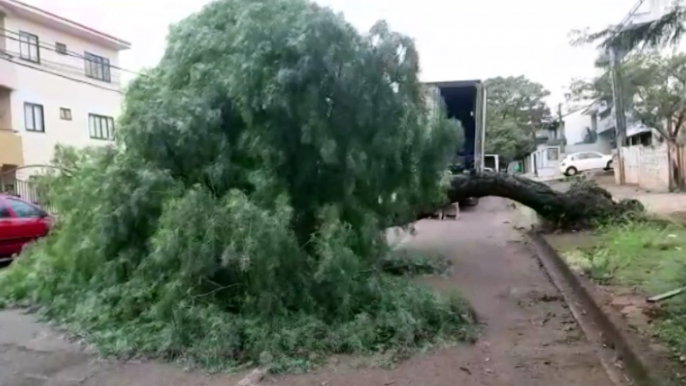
[69,88]
[547,161]
[646,166]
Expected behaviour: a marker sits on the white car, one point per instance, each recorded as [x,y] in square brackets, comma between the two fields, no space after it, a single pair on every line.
[586,160]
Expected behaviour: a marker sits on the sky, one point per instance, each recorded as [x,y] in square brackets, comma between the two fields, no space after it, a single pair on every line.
[456,39]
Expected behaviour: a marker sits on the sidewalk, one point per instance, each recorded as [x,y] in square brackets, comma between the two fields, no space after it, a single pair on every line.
[662,204]
[657,203]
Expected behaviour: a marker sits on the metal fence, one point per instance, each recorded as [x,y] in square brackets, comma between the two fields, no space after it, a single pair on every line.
[27,190]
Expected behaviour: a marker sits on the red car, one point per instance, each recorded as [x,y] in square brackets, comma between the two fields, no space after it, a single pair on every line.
[20,223]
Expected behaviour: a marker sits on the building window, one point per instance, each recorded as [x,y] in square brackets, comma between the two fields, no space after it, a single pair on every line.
[97,67]
[65,113]
[61,48]
[28,47]
[33,117]
[101,127]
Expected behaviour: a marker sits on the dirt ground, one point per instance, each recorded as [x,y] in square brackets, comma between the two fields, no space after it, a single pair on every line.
[528,337]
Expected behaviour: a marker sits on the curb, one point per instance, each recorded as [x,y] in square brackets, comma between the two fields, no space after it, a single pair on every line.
[600,328]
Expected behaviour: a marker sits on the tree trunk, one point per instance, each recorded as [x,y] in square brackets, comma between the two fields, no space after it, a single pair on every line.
[676,182]
[581,205]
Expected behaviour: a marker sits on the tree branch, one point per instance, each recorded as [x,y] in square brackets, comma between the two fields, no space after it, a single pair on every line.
[580,206]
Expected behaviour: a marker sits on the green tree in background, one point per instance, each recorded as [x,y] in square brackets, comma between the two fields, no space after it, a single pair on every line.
[516,110]
[659,99]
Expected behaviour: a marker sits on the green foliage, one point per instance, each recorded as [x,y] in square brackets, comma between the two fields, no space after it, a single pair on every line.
[239,220]
[410,263]
[506,138]
[516,110]
[659,100]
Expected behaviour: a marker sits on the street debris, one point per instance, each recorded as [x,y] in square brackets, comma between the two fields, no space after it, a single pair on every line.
[666,295]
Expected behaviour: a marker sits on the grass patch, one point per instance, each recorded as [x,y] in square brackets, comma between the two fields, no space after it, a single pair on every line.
[649,256]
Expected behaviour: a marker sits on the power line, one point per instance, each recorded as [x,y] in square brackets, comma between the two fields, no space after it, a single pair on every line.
[9,59]
[53,48]
[68,68]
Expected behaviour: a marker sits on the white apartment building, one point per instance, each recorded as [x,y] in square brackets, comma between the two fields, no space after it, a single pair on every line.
[59,84]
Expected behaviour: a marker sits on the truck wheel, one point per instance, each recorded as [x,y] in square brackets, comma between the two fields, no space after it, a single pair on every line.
[571,171]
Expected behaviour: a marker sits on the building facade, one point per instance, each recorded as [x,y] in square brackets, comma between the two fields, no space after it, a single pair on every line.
[59,84]
[584,134]
[604,125]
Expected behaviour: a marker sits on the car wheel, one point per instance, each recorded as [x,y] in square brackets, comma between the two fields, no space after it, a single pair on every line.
[571,171]
[609,165]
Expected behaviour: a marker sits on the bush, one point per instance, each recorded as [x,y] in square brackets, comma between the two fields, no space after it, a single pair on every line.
[239,218]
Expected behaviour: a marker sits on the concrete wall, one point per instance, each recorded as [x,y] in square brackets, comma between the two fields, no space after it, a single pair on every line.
[646,166]
[58,81]
[547,160]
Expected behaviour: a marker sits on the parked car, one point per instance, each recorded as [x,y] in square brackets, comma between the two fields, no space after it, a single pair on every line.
[20,223]
[582,161]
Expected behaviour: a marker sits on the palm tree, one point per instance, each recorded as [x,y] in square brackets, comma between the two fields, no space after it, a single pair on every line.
[664,31]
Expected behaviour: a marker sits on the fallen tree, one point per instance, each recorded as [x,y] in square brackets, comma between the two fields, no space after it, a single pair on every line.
[583,204]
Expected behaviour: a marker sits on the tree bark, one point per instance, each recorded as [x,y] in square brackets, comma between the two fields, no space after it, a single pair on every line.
[580,206]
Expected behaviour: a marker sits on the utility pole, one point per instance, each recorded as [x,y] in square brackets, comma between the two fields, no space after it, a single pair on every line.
[561,127]
[620,117]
